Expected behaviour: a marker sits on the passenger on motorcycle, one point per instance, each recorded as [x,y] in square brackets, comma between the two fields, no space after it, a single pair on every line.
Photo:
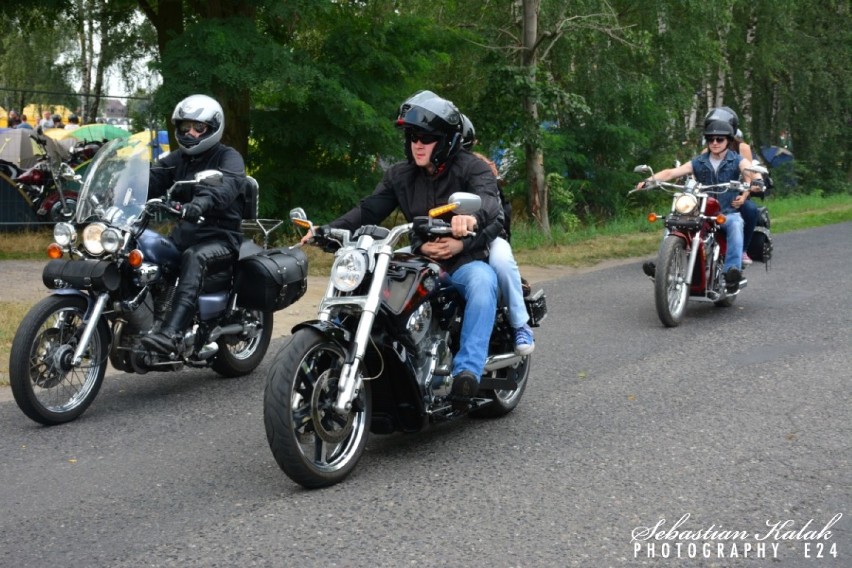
[209,231]
[502,260]
[435,169]
[748,210]
[720,165]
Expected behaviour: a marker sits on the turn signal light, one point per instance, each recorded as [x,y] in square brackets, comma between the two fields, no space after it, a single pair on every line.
[303,223]
[54,251]
[438,211]
[652,217]
[721,219]
[135,258]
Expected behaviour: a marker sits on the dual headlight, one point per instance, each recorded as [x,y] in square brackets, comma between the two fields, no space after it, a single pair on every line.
[97,237]
[348,270]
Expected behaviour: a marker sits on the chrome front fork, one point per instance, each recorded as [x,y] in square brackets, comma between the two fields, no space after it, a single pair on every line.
[349,385]
[91,326]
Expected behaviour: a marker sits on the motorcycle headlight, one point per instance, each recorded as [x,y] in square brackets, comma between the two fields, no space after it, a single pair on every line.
[111,240]
[685,203]
[92,238]
[64,234]
[348,270]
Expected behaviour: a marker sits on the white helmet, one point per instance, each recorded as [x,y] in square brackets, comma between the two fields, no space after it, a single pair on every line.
[199,108]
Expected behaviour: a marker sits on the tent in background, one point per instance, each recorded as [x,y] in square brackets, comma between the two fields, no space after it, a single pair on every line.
[98,132]
[18,147]
[157,140]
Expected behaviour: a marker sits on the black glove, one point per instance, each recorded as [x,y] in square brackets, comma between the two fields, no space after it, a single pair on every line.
[191,212]
[758,184]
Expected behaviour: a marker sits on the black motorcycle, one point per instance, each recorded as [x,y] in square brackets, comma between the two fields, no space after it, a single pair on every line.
[379,355]
[117,285]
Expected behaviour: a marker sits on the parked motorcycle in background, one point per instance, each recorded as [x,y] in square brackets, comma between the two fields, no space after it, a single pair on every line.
[378,357]
[691,258]
[51,185]
[116,286]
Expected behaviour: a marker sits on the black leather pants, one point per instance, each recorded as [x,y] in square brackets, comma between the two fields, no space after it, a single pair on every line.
[197,262]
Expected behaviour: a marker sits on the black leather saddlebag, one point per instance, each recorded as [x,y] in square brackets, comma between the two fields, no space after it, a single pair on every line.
[272,280]
[95,275]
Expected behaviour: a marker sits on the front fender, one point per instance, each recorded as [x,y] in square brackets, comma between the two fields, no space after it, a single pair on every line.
[328,330]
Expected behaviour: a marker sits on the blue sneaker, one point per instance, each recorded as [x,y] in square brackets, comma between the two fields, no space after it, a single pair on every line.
[524,342]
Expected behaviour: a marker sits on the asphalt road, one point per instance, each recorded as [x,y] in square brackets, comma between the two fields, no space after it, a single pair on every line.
[634,445]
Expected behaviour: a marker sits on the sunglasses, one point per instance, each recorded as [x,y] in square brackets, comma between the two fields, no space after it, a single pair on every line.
[716,139]
[424,138]
[187,125]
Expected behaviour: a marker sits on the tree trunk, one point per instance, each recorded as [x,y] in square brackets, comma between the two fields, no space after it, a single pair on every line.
[534,155]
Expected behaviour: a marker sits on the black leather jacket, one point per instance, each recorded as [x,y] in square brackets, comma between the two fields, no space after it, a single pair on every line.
[222,207]
[408,187]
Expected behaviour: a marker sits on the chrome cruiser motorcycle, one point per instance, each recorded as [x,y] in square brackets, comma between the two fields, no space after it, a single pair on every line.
[691,258]
[378,357]
[117,285]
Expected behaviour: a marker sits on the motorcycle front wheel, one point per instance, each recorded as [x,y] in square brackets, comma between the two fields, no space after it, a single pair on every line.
[47,386]
[671,288]
[312,443]
[240,356]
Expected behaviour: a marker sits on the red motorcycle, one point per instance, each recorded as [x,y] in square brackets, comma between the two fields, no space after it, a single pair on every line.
[692,255]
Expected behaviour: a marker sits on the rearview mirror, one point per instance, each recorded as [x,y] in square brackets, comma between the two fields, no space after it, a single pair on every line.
[643,169]
[210,177]
[466,203]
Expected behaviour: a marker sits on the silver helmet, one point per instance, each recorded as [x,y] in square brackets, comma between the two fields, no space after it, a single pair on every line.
[199,108]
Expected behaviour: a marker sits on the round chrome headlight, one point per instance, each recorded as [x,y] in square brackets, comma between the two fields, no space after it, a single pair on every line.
[64,234]
[348,270]
[92,238]
[685,203]
[111,239]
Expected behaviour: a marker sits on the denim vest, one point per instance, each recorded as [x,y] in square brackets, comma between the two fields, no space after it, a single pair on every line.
[728,170]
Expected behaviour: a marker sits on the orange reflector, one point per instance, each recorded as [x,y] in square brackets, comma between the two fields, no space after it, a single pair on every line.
[303,223]
[54,251]
[135,258]
[721,219]
[652,217]
[438,211]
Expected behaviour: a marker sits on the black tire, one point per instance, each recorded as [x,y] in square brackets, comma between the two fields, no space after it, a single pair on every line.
[671,288]
[313,445]
[46,388]
[504,401]
[240,356]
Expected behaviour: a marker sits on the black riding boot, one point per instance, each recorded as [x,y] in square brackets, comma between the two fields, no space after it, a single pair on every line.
[170,337]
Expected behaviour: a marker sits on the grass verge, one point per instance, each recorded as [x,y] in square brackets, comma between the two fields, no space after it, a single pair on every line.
[11,314]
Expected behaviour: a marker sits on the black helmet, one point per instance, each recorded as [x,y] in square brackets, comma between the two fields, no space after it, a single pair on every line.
[718,128]
[199,108]
[723,113]
[468,133]
[427,112]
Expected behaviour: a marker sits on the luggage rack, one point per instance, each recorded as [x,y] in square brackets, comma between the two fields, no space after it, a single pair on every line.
[265,226]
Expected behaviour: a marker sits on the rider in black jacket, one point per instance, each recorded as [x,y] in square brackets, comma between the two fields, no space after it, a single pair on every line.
[208,233]
[437,166]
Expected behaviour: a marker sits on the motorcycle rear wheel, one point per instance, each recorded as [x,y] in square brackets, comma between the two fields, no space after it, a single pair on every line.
[671,288]
[504,401]
[314,445]
[241,357]
[45,385]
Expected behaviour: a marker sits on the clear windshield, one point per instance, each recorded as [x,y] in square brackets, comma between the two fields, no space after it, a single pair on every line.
[116,185]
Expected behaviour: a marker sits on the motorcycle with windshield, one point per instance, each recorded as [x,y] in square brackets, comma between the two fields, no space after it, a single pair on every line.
[379,355]
[117,285]
[691,258]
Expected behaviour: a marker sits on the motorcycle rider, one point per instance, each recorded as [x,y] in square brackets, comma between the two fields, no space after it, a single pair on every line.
[502,260]
[718,165]
[209,232]
[436,168]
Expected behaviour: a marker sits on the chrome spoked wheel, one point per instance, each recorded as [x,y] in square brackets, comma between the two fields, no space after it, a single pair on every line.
[241,355]
[46,383]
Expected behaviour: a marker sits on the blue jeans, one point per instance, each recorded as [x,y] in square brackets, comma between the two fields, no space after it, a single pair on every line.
[749,214]
[733,228]
[477,284]
[508,280]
